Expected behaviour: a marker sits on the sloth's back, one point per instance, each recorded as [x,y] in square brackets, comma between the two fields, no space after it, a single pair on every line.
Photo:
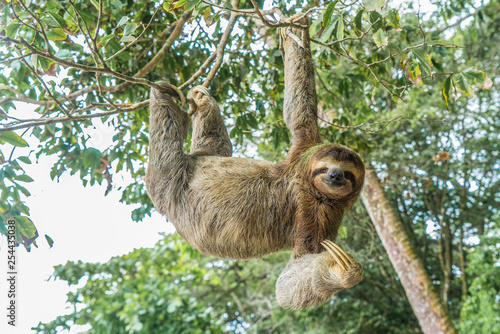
[238,208]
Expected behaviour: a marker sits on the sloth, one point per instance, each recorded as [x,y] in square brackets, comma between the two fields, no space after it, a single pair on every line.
[242,208]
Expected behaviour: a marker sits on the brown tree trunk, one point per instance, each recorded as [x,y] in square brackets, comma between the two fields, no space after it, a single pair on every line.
[427,306]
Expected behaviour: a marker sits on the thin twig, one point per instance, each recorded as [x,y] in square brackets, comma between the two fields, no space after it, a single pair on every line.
[260,14]
[235,10]
[8,60]
[22,21]
[27,123]
[84,68]
[44,85]
[136,39]
[98,25]
[384,124]
[222,45]
[42,30]
[165,48]
[92,46]
[71,97]
[200,71]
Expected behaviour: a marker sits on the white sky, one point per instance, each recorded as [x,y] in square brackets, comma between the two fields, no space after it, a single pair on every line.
[84,224]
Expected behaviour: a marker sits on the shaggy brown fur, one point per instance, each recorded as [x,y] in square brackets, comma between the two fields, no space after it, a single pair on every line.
[242,208]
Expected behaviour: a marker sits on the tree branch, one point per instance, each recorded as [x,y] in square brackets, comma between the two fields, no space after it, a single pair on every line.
[165,48]
[27,123]
[222,45]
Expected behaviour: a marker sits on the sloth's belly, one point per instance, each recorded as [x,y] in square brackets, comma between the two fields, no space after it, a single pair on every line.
[235,208]
[238,232]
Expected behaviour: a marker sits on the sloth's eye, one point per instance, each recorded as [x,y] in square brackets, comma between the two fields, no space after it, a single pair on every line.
[320,171]
[348,175]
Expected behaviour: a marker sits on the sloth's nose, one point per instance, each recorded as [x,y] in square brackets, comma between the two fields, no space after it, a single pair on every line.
[336,175]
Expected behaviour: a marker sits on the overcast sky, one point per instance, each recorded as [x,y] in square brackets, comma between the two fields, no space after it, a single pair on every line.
[84,224]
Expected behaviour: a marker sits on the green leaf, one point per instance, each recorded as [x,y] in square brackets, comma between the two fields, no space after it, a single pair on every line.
[54,20]
[26,160]
[252,121]
[23,178]
[328,32]
[95,3]
[45,63]
[12,28]
[167,3]
[34,61]
[56,34]
[340,28]
[398,50]
[357,20]
[479,78]
[463,85]
[438,42]
[191,4]
[473,32]
[122,21]
[13,138]
[91,158]
[424,59]
[64,54]
[23,190]
[180,3]
[126,39]
[415,73]
[26,228]
[372,5]
[105,40]
[393,18]
[381,38]
[49,240]
[328,14]
[130,28]
[446,91]
[376,20]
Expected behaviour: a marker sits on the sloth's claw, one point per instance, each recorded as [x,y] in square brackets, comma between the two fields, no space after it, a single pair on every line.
[195,96]
[337,253]
[196,93]
[349,272]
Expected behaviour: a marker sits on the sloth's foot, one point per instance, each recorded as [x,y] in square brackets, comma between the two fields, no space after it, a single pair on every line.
[199,95]
[348,271]
[296,34]
[170,90]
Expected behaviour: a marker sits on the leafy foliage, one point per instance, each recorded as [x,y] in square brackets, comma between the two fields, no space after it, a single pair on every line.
[172,288]
[130,294]
[481,310]
[436,152]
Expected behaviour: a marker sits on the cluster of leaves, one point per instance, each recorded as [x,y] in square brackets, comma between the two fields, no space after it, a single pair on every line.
[11,205]
[440,169]
[130,294]
[481,311]
[367,57]
[172,288]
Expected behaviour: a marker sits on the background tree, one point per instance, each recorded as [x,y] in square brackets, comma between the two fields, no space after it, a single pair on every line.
[437,159]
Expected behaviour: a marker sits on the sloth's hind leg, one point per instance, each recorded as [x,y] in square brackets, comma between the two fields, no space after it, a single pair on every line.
[209,132]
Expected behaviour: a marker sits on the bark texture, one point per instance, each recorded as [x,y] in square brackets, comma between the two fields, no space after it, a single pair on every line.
[426,304]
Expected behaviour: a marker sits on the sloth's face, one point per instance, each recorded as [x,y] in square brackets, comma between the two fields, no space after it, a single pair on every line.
[337,178]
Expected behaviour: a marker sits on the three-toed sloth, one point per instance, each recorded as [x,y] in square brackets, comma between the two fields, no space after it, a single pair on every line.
[243,208]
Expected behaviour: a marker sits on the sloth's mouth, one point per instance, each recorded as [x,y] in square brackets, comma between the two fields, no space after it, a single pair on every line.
[336,184]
